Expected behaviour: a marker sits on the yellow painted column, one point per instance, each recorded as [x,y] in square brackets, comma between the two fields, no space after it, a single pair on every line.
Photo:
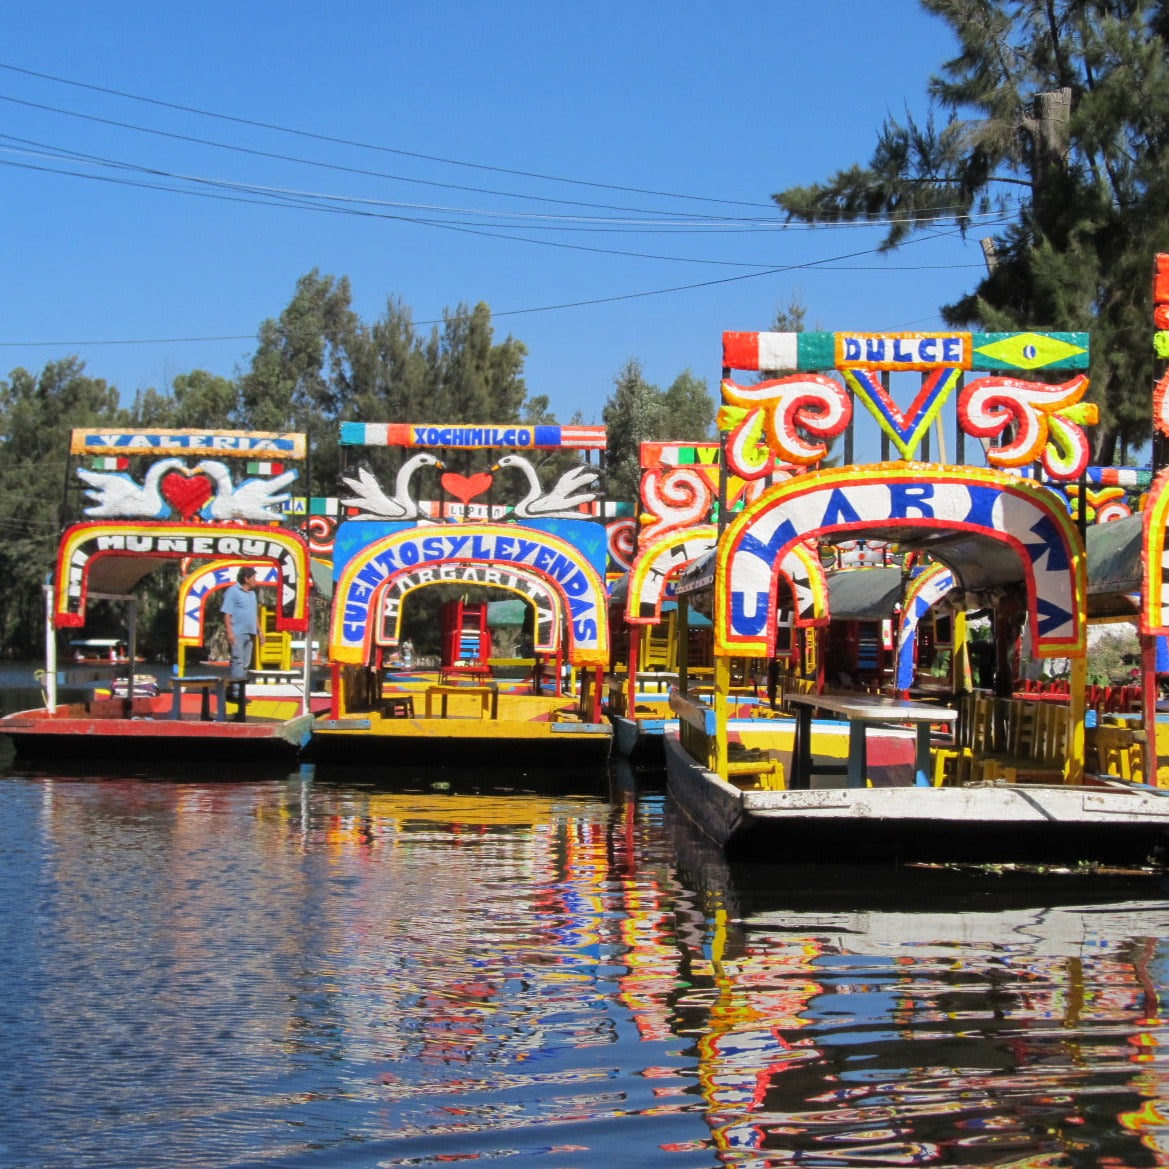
[1077,703]
[722,683]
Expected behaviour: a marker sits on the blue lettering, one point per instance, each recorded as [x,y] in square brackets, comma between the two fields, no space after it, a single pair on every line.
[408,554]
[951,350]
[982,501]
[560,567]
[524,549]
[1051,545]
[456,544]
[927,348]
[1050,616]
[480,550]
[370,575]
[419,435]
[432,548]
[577,585]
[770,552]
[585,630]
[852,349]
[902,350]
[903,496]
[543,558]
[503,548]
[839,511]
[875,349]
[741,623]
[524,437]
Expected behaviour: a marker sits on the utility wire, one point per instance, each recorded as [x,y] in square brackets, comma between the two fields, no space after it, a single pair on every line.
[370,145]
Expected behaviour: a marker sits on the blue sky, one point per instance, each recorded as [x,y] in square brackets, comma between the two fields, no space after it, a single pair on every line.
[685,117]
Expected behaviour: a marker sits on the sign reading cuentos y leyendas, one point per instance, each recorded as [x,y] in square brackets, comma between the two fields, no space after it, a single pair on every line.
[553,559]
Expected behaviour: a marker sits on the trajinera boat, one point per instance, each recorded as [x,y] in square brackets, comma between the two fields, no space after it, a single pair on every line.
[450,523]
[950,767]
[204,503]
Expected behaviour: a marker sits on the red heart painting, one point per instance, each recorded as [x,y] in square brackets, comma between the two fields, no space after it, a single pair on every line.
[466,487]
[186,493]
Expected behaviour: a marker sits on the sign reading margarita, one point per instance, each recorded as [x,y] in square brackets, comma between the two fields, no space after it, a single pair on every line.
[542,553]
[545,600]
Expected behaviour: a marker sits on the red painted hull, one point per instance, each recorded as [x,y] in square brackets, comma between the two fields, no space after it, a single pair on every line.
[74,732]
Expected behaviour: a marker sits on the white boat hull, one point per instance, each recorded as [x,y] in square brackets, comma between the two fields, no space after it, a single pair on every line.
[983,823]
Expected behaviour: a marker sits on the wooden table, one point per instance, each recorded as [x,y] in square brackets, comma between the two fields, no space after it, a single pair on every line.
[205,683]
[488,698]
[861,712]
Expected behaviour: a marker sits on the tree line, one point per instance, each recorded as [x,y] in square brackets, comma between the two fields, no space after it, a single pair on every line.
[316,365]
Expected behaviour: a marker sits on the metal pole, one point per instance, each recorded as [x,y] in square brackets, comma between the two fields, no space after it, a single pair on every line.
[50,650]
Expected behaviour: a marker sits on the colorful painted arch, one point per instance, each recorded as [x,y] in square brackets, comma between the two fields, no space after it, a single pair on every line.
[527,585]
[994,531]
[566,568]
[119,554]
[197,587]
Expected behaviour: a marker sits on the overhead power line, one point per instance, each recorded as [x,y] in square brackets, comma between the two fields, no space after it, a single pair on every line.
[338,141]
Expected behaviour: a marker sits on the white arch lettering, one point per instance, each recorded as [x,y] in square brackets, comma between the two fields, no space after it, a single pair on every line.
[85,544]
[545,599]
[548,556]
[1014,511]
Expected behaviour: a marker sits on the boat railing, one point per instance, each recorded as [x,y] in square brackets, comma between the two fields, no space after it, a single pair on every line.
[1017,740]
[696,726]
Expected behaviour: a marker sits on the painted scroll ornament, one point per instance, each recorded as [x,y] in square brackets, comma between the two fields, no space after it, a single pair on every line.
[1101,506]
[776,412]
[1047,419]
[673,497]
[622,536]
[1161,403]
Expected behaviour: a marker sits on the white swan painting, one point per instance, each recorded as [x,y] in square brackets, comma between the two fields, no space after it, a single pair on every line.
[253,499]
[563,501]
[116,495]
[376,504]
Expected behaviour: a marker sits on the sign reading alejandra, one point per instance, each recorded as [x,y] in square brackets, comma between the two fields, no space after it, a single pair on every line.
[550,557]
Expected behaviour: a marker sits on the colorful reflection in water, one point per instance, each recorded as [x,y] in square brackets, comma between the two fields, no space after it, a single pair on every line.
[299,973]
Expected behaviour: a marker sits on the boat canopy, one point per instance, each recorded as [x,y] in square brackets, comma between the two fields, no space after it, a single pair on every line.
[1115,568]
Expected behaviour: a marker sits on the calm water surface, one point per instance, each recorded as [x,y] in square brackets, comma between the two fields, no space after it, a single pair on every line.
[305,970]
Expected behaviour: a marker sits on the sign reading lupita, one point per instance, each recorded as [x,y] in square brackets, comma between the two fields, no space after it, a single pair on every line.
[548,556]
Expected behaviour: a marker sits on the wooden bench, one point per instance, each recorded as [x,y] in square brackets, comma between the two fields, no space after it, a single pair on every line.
[204,683]
[488,698]
[398,706]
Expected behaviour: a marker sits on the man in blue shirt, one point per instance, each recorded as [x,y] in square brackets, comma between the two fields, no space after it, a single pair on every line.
[241,616]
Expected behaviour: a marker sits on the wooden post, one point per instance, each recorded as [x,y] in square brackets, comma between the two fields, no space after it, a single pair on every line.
[634,665]
[682,644]
[1149,706]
